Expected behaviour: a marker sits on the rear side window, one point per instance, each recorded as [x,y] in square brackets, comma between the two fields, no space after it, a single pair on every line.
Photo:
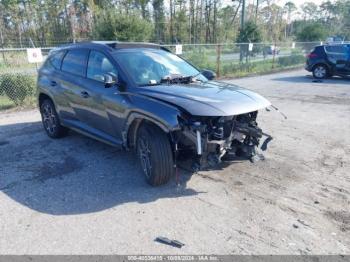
[55,59]
[75,62]
[318,50]
[336,49]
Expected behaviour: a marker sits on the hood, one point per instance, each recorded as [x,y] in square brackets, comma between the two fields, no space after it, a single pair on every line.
[208,99]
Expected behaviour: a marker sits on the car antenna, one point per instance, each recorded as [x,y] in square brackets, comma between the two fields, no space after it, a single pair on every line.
[285,117]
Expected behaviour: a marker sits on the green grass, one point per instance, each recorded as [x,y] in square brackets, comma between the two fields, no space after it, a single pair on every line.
[261,67]
[237,69]
[26,68]
[17,90]
[16,62]
[6,103]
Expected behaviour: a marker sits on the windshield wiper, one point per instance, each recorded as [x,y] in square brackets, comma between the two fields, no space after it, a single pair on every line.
[180,79]
[176,79]
[194,77]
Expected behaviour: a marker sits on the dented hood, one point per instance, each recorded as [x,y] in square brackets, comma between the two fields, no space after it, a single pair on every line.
[208,99]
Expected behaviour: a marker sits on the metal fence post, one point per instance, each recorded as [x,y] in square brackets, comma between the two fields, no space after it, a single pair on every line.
[218,58]
[274,55]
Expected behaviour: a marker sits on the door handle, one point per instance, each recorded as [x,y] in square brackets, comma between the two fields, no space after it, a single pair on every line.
[84,94]
[53,83]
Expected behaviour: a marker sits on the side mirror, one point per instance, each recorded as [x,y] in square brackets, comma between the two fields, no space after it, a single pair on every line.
[210,75]
[109,80]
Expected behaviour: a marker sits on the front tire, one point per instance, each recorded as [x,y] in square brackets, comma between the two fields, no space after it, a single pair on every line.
[155,154]
[320,71]
[51,121]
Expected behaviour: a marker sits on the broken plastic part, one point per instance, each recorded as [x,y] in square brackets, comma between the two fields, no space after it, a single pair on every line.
[199,142]
[169,242]
[285,117]
[199,138]
[267,140]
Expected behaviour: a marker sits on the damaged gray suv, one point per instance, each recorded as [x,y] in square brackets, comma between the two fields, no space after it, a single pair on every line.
[143,97]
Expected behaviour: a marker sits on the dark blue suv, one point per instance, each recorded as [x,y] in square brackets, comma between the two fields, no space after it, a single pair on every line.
[141,96]
[328,60]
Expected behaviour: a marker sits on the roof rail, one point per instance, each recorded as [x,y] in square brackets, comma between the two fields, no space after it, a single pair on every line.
[115,44]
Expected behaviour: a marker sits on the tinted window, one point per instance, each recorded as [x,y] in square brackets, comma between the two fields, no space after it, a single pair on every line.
[74,62]
[55,59]
[99,65]
[338,49]
[318,50]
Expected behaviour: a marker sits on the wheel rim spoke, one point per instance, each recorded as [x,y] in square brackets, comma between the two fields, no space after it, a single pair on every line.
[145,156]
[49,119]
[320,71]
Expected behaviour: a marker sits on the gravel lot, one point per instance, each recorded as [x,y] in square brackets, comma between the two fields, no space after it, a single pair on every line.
[79,196]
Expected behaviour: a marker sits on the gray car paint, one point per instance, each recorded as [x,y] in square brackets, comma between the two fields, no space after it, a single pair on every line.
[208,99]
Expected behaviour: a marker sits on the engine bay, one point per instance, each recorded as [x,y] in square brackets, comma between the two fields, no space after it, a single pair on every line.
[211,140]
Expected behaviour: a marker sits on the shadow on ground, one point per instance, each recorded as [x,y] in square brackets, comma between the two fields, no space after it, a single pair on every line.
[73,175]
[310,79]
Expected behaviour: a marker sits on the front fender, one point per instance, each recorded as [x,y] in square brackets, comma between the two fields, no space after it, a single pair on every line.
[159,113]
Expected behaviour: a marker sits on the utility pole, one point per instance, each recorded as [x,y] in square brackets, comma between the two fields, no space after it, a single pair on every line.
[243,15]
[242,28]
[2,46]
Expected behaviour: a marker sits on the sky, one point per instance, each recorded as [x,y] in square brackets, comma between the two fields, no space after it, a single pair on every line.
[297,2]
[282,2]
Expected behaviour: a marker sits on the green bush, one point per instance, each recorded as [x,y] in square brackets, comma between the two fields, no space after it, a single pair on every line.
[313,31]
[122,27]
[290,60]
[200,59]
[239,69]
[17,87]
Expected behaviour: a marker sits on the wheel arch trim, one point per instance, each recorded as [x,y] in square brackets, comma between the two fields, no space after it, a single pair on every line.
[44,94]
[321,63]
[134,121]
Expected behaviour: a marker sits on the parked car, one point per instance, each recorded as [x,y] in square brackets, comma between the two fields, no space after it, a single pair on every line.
[271,50]
[328,60]
[142,97]
[335,39]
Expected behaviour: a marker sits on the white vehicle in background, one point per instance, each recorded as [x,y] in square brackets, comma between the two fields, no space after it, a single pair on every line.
[335,40]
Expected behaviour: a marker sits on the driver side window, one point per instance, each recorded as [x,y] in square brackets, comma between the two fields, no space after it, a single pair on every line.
[99,65]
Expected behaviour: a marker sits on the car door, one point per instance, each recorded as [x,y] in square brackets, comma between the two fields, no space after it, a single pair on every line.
[337,57]
[50,77]
[73,70]
[348,60]
[104,104]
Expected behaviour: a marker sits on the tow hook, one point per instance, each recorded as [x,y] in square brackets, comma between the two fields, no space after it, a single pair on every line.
[267,140]
[197,128]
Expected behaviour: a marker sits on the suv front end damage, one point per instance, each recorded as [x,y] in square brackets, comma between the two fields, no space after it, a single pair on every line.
[211,140]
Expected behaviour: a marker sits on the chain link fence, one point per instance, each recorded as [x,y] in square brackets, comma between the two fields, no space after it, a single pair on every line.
[234,60]
[18,76]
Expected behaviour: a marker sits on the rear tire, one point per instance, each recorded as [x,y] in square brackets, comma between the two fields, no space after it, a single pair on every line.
[155,154]
[320,71]
[51,121]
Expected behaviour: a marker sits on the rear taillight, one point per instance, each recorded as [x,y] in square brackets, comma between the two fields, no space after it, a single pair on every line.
[312,55]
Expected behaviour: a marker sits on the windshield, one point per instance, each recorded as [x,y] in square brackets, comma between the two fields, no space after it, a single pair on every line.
[149,66]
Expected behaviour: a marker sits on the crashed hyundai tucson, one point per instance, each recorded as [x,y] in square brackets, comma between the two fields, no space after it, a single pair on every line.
[144,98]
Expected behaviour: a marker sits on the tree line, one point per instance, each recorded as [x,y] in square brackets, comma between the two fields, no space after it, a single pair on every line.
[51,22]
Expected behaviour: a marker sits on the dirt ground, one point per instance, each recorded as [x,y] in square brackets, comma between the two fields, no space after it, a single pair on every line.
[79,196]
